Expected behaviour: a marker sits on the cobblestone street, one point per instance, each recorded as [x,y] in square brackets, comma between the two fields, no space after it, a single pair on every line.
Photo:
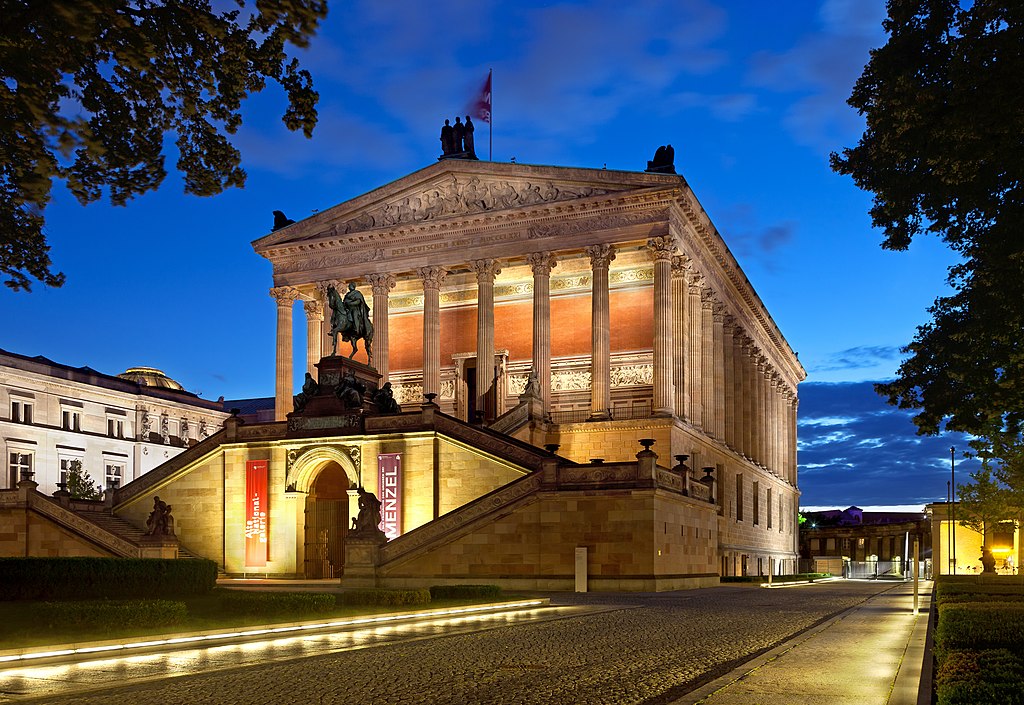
[649,649]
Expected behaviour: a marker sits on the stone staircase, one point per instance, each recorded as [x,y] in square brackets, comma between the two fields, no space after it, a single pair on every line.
[129,532]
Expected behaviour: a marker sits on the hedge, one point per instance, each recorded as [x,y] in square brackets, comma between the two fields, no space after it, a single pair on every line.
[979,625]
[110,615]
[382,597]
[987,677]
[462,592]
[74,578]
[274,604]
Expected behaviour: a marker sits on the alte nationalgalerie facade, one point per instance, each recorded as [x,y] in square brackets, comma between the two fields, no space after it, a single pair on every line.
[539,325]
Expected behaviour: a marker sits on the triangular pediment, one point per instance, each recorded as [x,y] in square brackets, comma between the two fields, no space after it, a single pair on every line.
[456,189]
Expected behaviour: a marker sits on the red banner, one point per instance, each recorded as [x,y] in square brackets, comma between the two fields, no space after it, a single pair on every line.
[256,508]
[389,484]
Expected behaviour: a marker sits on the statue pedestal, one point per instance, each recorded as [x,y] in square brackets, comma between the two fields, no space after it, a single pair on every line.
[159,546]
[335,406]
[361,561]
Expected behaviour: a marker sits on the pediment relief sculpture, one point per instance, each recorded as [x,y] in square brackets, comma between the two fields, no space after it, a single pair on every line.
[462,197]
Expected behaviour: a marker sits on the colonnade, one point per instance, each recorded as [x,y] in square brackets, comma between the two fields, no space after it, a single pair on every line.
[707,369]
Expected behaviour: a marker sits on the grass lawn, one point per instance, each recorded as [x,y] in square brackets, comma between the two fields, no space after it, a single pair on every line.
[31,624]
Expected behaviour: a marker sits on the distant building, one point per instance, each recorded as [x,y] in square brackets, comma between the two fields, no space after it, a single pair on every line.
[958,547]
[119,427]
[836,538]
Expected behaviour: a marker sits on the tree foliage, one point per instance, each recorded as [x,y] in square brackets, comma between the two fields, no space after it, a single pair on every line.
[985,502]
[943,153]
[80,483]
[90,89]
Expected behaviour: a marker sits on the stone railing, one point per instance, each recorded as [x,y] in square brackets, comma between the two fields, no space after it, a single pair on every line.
[513,419]
[452,523]
[154,477]
[51,509]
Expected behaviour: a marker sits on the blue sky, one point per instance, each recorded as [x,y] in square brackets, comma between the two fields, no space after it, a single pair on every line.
[751,95]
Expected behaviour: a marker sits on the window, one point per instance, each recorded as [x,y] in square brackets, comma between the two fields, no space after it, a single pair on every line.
[21,411]
[65,466]
[768,506]
[114,475]
[757,503]
[71,419]
[20,465]
[739,497]
[115,427]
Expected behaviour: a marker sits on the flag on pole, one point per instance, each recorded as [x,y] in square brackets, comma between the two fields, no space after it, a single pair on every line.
[481,107]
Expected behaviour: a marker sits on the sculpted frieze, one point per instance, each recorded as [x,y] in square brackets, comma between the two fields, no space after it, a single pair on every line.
[589,225]
[464,197]
[325,261]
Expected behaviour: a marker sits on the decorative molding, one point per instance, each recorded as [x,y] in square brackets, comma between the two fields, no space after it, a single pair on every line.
[601,256]
[285,295]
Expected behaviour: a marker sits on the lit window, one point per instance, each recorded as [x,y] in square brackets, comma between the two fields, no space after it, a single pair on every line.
[21,411]
[20,467]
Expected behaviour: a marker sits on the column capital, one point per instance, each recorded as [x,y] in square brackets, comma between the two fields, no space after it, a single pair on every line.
[730,324]
[381,282]
[314,308]
[432,276]
[600,255]
[707,298]
[285,295]
[323,286]
[696,282]
[718,310]
[662,247]
[486,269]
[681,265]
[541,262]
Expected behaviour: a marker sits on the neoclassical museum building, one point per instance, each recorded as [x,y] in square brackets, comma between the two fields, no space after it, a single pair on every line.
[592,395]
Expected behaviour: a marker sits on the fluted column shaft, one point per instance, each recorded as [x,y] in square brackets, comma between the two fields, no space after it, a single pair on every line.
[762,405]
[286,298]
[707,362]
[542,263]
[381,284]
[432,278]
[601,257]
[729,387]
[718,363]
[680,301]
[757,393]
[314,334]
[793,407]
[486,270]
[695,349]
[744,398]
[664,397]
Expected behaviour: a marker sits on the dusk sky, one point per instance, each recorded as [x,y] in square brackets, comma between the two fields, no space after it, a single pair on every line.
[751,96]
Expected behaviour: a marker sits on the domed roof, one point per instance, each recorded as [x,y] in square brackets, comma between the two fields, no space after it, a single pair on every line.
[150,377]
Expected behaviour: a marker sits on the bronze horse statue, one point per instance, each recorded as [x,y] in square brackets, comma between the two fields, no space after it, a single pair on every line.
[350,316]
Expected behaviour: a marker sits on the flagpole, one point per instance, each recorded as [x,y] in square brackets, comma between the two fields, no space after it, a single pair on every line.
[490,123]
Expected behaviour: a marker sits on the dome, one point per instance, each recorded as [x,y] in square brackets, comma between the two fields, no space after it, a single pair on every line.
[150,377]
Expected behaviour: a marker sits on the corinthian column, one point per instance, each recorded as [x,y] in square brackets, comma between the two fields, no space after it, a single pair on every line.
[718,390]
[680,270]
[694,349]
[314,334]
[601,257]
[664,402]
[729,386]
[542,263]
[707,362]
[432,278]
[486,270]
[286,297]
[380,284]
[792,407]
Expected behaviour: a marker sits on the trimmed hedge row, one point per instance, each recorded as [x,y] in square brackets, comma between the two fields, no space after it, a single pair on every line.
[979,625]
[111,615]
[73,578]
[379,597]
[274,604]
[462,592]
[974,677]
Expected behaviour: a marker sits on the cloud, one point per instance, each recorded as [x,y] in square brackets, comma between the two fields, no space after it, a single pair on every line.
[819,71]
[750,239]
[855,449]
[860,357]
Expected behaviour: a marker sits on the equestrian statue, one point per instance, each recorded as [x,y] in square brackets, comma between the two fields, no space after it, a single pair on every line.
[350,316]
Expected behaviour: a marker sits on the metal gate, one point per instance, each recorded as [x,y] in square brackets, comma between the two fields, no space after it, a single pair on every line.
[326,528]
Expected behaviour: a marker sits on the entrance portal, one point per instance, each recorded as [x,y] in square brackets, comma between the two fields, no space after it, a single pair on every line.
[327,523]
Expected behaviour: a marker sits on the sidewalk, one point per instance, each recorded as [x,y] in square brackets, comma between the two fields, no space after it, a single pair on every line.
[869,655]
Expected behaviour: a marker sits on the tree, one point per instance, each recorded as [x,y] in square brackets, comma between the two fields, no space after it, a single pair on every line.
[80,484]
[985,502]
[89,90]
[942,153]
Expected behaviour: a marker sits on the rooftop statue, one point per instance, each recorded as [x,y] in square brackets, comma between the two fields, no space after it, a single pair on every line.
[350,316]
[664,161]
[281,221]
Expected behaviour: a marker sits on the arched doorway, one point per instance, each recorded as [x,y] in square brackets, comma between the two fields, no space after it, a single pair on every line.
[326,522]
